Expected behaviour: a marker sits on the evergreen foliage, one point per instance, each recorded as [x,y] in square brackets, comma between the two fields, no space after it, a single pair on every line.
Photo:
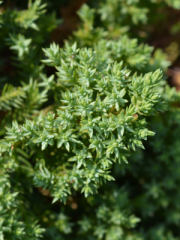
[74,120]
[114,18]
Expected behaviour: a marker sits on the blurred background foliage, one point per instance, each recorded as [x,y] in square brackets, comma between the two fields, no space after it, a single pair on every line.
[156,22]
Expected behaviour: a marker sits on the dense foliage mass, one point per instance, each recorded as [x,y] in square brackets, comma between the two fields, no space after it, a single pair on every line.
[74,125]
